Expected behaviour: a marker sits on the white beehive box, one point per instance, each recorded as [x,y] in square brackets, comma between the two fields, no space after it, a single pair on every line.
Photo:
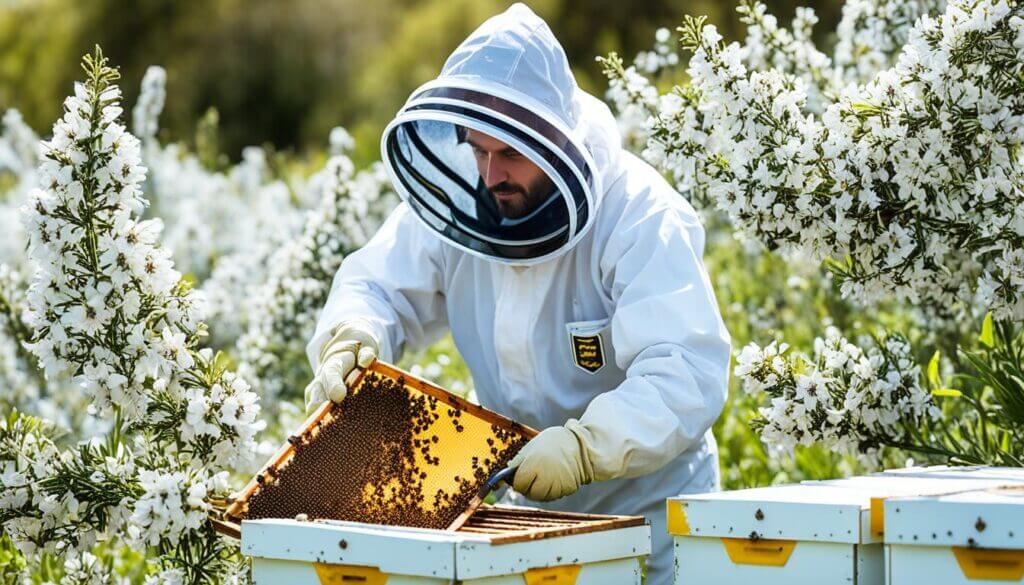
[813,532]
[500,545]
[924,481]
[966,537]
[791,534]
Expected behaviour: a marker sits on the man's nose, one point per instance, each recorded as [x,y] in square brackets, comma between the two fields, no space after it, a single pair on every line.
[494,172]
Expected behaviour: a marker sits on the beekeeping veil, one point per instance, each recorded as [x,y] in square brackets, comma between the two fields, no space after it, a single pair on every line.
[510,80]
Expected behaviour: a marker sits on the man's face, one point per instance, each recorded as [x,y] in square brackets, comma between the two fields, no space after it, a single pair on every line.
[518,185]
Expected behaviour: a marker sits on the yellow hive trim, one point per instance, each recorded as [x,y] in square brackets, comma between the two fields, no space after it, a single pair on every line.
[878,517]
[349,574]
[677,522]
[765,553]
[990,564]
[560,575]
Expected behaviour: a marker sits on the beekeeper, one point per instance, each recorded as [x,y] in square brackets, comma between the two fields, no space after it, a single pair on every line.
[568,271]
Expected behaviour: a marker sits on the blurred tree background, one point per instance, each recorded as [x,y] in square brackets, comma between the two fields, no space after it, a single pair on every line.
[284,72]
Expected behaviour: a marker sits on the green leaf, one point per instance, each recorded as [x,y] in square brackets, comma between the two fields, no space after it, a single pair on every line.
[801,365]
[987,337]
[949,392]
[865,107]
[933,370]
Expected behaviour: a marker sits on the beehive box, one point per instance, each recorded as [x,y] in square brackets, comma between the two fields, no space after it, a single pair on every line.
[499,545]
[813,532]
[397,451]
[959,538]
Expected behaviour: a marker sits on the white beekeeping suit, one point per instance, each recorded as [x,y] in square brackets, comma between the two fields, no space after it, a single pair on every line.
[595,310]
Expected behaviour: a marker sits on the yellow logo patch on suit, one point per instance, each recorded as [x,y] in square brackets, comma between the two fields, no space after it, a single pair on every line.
[587,352]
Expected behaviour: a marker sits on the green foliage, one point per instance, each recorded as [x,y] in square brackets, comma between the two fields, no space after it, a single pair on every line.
[983,420]
[207,141]
[12,563]
[286,71]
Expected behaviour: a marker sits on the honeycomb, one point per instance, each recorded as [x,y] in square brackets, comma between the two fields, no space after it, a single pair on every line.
[396,451]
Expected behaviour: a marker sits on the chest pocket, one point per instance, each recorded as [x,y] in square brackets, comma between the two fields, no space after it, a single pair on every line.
[590,344]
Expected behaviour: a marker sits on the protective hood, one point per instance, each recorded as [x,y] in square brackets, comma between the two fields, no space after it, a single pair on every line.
[509,80]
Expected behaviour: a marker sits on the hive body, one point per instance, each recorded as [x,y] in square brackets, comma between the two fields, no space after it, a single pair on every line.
[957,538]
[500,545]
[814,532]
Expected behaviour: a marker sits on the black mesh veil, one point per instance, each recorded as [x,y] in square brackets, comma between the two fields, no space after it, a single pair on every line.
[435,171]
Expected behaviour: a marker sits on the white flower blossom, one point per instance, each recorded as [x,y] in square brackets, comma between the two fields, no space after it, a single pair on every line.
[173,576]
[172,504]
[86,569]
[845,398]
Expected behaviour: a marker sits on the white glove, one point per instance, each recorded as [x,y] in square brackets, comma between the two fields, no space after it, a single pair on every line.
[352,344]
[553,464]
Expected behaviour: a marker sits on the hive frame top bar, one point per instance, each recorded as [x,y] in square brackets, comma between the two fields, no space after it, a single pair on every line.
[238,502]
[504,524]
[500,524]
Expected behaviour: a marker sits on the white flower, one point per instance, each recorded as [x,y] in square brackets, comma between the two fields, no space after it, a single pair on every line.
[167,577]
[175,348]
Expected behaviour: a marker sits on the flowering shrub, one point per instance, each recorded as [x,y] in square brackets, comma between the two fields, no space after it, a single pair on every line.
[107,307]
[283,311]
[898,163]
[910,184]
[222,224]
[147,110]
[769,47]
[19,157]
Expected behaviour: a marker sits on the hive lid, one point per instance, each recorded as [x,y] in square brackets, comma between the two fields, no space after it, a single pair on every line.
[1004,475]
[397,450]
[990,518]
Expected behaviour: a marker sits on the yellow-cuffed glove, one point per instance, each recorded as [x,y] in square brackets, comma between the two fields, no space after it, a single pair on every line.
[553,464]
[352,344]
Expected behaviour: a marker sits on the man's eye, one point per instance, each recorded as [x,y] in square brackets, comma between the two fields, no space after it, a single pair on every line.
[513,154]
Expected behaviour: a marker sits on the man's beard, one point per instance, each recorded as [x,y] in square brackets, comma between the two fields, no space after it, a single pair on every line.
[524,201]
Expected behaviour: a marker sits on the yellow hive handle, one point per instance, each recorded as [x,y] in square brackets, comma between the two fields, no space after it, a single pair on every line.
[878,517]
[990,564]
[349,575]
[765,553]
[560,575]
[678,525]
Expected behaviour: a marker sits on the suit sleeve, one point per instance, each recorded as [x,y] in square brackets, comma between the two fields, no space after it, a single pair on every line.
[669,337]
[395,283]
